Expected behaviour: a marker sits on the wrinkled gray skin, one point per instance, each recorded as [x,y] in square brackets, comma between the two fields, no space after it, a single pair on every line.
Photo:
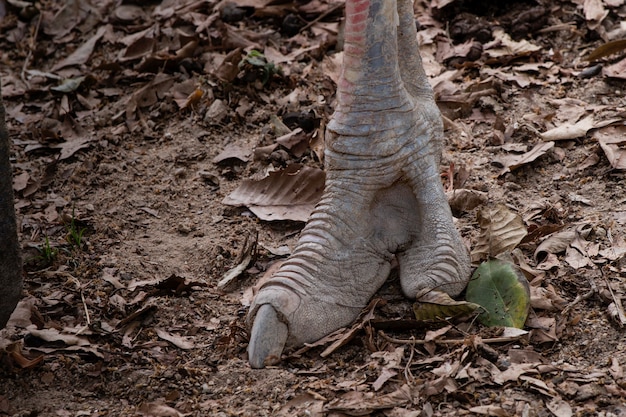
[383,197]
[10,262]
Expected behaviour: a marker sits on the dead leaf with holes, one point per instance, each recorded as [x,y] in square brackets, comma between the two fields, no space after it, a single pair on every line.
[501,231]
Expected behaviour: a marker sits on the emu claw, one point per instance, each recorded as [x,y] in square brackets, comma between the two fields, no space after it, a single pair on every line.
[267,338]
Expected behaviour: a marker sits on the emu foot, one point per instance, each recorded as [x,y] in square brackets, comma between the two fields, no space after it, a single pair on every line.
[383,197]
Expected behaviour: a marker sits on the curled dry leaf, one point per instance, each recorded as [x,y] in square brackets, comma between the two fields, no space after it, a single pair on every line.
[288,194]
[501,231]
[463,200]
[560,241]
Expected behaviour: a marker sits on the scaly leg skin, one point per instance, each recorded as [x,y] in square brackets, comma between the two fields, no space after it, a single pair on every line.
[383,196]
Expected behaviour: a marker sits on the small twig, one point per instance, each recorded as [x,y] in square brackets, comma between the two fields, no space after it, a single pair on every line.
[320,17]
[407,368]
[31,47]
[581,297]
[504,339]
[618,303]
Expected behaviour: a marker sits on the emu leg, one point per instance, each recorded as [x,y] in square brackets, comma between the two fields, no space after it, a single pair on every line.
[383,197]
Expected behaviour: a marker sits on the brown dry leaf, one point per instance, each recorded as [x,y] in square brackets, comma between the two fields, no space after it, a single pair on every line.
[296,141]
[191,101]
[20,182]
[554,244]
[463,200]
[15,352]
[233,151]
[572,241]
[66,19]
[594,13]
[577,257]
[149,94]
[155,409]
[179,341]
[21,316]
[139,44]
[543,329]
[612,140]
[615,252]
[617,70]
[331,65]
[489,410]
[288,194]
[304,404]
[607,49]
[512,162]
[360,403]
[503,45]
[82,54]
[347,334]
[570,130]
[437,305]
[538,385]
[392,361]
[506,74]
[229,68]
[546,298]
[513,372]
[501,231]
[274,56]
[559,408]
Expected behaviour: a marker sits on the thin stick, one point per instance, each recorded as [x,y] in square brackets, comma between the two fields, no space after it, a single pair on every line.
[504,339]
[30,51]
[320,17]
[581,297]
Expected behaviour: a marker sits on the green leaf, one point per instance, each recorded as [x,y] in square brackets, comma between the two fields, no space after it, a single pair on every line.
[438,306]
[502,291]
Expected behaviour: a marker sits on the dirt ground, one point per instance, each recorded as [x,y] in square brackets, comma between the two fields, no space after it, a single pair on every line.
[131,125]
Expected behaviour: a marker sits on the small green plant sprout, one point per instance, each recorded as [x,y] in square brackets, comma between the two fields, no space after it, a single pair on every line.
[47,253]
[256,62]
[75,233]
